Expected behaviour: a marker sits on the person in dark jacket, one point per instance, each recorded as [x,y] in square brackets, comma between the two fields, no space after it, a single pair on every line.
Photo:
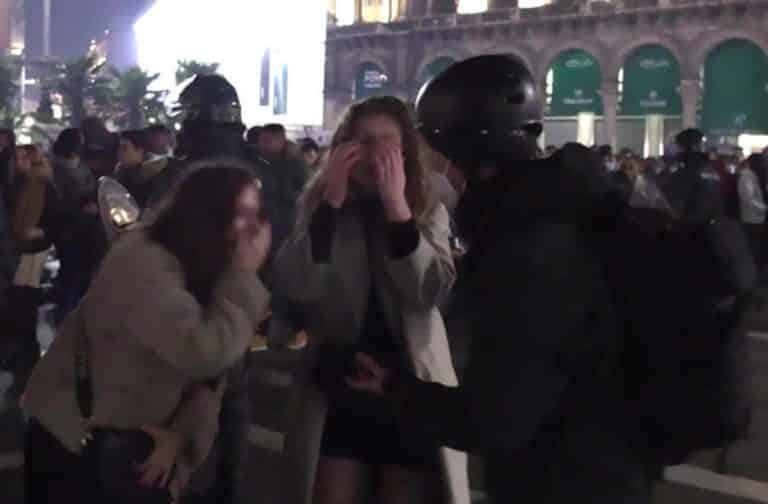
[536,398]
[212,128]
[694,189]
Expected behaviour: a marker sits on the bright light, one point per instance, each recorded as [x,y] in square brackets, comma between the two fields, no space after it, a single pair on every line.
[532,4]
[345,12]
[272,52]
[753,144]
[28,122]
[472,6]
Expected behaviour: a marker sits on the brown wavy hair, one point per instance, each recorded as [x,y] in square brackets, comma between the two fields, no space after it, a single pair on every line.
[195,225]
[416,187]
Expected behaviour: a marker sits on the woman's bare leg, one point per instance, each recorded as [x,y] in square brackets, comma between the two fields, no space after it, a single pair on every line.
[337,481]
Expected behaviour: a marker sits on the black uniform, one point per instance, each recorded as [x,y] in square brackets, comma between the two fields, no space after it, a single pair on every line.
[536,401]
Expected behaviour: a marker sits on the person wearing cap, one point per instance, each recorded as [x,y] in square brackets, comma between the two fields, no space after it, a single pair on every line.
[534,402]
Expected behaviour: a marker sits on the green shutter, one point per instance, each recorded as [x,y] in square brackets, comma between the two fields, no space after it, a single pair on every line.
[651,82]
[576,83]
[736,90]
[370,81]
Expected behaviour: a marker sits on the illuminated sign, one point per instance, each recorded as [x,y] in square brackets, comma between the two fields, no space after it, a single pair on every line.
[272,52]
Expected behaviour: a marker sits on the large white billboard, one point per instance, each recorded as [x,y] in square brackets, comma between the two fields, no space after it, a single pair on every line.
[273,51]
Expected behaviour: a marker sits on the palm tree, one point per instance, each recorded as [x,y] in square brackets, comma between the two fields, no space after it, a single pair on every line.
[190,68]
[8,91]
[83,80]
[134,97]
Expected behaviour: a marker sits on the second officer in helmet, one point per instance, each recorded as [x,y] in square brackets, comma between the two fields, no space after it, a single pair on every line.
[532,402]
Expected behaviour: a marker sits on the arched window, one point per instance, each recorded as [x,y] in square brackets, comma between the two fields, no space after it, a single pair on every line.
[370,80]
[735,90]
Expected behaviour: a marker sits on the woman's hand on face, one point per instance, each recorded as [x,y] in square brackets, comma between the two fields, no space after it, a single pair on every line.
[159,468]
[253,247]
[341,162]
[391,181]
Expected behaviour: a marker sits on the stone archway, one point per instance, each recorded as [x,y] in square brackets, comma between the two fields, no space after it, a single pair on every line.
[733,105]
[350,66]
[616,60]
[553,52]
[701,47]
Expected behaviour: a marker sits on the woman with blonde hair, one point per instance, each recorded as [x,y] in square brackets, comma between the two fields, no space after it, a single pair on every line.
[371,261]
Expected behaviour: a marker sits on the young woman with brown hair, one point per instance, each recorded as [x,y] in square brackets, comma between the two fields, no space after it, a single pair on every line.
[371,261]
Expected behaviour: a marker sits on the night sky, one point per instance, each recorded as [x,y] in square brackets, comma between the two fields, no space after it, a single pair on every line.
[75,22]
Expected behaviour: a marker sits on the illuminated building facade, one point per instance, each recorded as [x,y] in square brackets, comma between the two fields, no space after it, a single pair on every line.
[12,27]
[629,73]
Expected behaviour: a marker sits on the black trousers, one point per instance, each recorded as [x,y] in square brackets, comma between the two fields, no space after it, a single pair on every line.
[22,345]
[53,474]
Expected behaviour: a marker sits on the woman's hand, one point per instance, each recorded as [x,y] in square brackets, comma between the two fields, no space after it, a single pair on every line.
[342,160]
[370,376]
[391,181]
[159,468]
[253,247]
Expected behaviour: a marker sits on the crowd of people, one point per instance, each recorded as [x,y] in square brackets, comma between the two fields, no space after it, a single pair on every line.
[250,240]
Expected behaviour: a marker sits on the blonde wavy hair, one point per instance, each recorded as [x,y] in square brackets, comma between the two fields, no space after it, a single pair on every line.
[417,191]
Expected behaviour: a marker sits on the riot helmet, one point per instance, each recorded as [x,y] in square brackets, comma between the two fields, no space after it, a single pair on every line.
[690,140]
[210,99]
[482,110]
[211,119]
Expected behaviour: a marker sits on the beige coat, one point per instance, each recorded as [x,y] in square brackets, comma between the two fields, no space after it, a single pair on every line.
[410,290]
[151,343]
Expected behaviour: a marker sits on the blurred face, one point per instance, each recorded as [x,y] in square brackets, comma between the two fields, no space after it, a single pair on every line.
[161,143]
[271,144]
[23,162]
[373,132]
[248,215]
[310,157]
[5,142]
[128,153]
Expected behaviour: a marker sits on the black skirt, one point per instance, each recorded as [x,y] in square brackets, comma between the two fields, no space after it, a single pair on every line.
[363,427]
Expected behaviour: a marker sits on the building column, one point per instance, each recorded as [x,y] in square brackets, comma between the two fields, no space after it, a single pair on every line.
[358,11]
[430,10]
[610,95]
[690,92]
[654,135]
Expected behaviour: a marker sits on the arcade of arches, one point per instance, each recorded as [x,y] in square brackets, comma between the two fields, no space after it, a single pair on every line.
[651,102]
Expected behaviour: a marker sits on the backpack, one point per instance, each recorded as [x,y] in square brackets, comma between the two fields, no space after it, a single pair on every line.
[680,290]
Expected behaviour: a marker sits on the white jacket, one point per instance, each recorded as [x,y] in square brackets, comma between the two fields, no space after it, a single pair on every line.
[751,200]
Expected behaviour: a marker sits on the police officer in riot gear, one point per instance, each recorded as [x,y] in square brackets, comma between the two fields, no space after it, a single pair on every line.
[212,127]
[694,188]
[533,402]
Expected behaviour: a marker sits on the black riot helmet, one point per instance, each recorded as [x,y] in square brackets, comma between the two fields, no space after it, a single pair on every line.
[210,99]
[211,119]
[690,140]
[482,110]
